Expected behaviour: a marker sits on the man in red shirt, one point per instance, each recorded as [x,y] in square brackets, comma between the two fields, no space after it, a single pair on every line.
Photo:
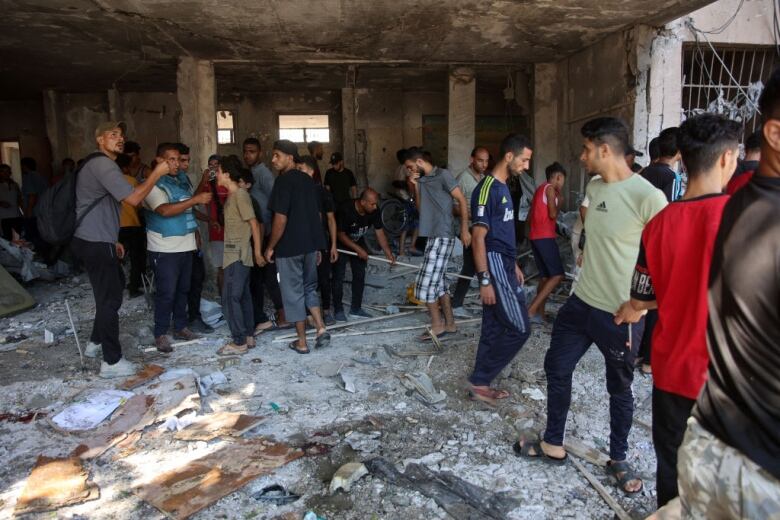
[671,275]
[545,205]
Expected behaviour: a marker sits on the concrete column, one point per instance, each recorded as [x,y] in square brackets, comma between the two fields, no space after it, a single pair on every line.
[115,111]
[55,128]
[461,118]
[546,129]
[348,127]
[197,94]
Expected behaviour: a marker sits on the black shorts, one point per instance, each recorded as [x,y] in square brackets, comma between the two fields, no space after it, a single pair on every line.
[547,256]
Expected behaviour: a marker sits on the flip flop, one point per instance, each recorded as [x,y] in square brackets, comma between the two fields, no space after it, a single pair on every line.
[428,337]
[323,340]
[294,346]
[524,450]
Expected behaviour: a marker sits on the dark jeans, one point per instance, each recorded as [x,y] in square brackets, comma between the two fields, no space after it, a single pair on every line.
[263,279]
[324,284]
[172,274]
[463,285]
[237,302]
[196,286]
[670,418]
[577,326]
[651,318]
[134,241]
[358,267]
[108,282]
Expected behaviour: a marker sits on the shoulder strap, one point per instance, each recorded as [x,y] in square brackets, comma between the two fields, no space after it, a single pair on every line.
[96,201]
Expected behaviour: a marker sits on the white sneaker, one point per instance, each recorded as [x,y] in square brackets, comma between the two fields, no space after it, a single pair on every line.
[460,312]
[121,368]
[93,350]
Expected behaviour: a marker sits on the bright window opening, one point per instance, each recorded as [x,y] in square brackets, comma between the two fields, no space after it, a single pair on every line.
[225,127]
[304,128]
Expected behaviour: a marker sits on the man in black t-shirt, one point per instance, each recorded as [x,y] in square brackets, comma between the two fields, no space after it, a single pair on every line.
[340,181]
[660,173]
[295,243]
[354,217]
[729,462]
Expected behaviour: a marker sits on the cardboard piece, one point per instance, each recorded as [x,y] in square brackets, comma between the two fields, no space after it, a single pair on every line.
[219,424]
[55,483]
[87,414]
[131,417]
[186,490]
[147,373]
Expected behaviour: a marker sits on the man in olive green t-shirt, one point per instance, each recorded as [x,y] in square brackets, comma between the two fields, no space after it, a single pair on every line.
[621,203]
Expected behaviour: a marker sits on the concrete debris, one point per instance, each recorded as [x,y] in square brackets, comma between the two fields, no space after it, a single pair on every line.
[535,394]
[87,414]
[348,381]
[329,368]
[453,494]
[368,443]
[174,397]
[277,495]
[425,392]
[184,491]
[347,475]
[221,424]
[209,381]
[175,423]
[56,483]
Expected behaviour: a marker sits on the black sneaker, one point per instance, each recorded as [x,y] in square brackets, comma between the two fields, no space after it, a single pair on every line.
[199,326]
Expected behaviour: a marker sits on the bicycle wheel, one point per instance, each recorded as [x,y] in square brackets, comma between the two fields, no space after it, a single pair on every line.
[393,215]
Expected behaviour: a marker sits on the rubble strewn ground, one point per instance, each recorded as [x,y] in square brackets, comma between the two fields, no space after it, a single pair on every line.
[304,405]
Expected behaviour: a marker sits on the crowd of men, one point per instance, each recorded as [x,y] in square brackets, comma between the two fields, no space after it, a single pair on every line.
[681,283]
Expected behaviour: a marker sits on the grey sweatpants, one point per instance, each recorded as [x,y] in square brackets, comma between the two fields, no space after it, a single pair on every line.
[237,302]
[298,283]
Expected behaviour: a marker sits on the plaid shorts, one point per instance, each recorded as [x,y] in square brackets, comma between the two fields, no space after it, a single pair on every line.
[430,284]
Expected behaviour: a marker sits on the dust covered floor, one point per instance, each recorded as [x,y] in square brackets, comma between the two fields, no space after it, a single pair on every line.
[304,404]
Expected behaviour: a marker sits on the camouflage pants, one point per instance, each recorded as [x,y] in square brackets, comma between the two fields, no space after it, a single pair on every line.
[718,482]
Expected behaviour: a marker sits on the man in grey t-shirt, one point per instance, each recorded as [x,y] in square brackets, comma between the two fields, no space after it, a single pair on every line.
[435,190]
[96,240]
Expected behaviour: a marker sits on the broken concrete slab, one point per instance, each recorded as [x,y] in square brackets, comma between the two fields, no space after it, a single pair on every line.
[131,417]
[55,483]
[347,475]
[186,490]
[423,387]
[221,424]
[146,374]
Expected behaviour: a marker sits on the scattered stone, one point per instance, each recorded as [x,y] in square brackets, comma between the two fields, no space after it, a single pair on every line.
[347,475]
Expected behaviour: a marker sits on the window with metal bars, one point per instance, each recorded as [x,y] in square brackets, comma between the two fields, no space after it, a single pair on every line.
[727,80]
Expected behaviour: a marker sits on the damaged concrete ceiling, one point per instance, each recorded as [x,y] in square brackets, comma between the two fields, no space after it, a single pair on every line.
[83,45]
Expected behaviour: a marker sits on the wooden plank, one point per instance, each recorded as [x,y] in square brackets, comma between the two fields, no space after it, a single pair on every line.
[147,373]
[611,502]
[220,424]
[576,447]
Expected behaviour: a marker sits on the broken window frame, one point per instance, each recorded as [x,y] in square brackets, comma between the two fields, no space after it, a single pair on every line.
[230,129]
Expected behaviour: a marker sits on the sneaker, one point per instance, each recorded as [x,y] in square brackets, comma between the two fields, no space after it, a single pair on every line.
[198,325]
[93,350]
[122,368]
[163,345]
[329,319]
[460,312]
[185,334]
[231,349]
[339,316]
[358,314]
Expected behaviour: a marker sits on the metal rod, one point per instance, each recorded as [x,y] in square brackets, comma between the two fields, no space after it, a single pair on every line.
[75,334]
[385,260]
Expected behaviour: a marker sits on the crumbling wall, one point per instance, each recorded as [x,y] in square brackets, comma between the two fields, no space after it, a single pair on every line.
[22,120]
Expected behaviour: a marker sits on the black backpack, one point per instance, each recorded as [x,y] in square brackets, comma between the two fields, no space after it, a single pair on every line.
[56,208]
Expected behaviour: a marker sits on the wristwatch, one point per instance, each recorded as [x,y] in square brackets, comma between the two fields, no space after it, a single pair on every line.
[484,278]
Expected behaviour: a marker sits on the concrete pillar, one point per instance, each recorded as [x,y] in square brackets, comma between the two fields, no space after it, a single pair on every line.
[461,118]
[55,128]
[348,128]
[115,111]
[197,94]
[546,129]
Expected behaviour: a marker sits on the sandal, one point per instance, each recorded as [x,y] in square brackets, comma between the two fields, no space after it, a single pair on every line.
[623,474]
[323,340]
[524,450]
[294,346]
[427,337]
[487,395]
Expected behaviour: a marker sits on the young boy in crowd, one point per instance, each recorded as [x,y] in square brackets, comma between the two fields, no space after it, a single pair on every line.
[544,212]
[242,247]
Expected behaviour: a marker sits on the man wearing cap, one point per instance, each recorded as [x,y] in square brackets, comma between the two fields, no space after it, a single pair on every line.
[170,242]
[295,243]
[340,181]
[631,155]
[100,188]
